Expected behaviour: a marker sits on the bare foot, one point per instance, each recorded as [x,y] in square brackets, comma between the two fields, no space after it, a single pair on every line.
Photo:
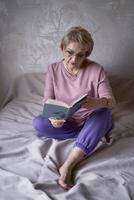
[65,177]
[103,139]
[106,140]
[75,156]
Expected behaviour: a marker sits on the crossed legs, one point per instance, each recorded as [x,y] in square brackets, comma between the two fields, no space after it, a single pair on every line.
[88,136]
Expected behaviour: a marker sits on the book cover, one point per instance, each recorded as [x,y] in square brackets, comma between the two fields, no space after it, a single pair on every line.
[60,110]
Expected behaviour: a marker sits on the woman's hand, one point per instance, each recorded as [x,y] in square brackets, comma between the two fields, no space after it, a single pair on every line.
[89,103]
[92,103]
[57,123]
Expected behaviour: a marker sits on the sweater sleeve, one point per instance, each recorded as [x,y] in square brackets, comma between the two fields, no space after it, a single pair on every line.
[49,87]
[104,88]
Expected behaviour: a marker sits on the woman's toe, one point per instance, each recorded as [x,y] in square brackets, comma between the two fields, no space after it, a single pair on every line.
[63,184]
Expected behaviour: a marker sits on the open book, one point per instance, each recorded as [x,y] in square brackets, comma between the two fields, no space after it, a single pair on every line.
[59,110]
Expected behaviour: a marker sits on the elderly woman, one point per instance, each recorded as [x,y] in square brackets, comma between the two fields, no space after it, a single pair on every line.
[67,80]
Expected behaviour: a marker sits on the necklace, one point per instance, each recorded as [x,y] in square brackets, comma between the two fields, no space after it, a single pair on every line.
[72,72]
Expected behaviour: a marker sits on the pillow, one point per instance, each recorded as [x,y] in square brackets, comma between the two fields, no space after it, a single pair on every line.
[27,86]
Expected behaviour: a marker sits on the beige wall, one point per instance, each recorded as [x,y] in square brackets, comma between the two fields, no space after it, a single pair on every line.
[30,32]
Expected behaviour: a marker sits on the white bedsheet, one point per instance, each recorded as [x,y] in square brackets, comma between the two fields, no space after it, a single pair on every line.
[28,165]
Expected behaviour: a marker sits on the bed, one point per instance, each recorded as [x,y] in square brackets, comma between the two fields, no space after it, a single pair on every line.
[28,164]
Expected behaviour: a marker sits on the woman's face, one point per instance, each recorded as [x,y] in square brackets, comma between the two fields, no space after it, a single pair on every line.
[74,55]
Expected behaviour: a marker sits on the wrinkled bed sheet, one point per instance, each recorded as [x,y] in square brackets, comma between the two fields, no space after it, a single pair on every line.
[28,165]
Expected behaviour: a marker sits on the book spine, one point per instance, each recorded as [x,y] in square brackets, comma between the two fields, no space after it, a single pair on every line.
[73,109]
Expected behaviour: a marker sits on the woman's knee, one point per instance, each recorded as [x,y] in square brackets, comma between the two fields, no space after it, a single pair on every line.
[105,113]
[102,114]
[39,123]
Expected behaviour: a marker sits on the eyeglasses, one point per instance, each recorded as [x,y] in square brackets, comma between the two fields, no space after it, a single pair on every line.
[80,55]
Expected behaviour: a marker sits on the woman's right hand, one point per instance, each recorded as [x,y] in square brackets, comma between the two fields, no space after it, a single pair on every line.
[57,123]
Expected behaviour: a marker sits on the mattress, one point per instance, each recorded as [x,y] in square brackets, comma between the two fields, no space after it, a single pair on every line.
[28,164]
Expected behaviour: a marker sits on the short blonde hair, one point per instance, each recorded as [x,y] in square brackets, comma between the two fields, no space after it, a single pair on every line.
[80,35]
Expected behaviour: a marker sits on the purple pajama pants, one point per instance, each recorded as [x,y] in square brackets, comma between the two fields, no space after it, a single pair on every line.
[87,136]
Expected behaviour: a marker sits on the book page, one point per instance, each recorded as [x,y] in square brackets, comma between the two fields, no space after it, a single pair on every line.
[78,100]
[57,102]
